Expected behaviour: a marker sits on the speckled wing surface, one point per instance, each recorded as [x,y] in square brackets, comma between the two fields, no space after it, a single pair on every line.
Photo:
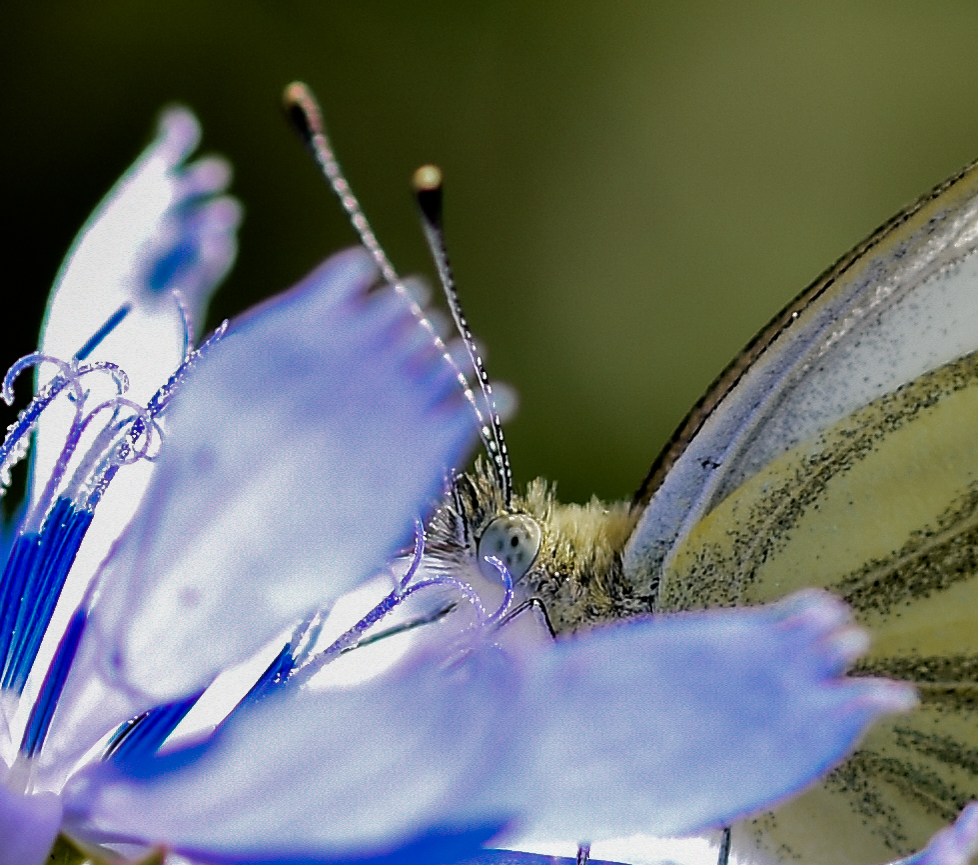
[841,450]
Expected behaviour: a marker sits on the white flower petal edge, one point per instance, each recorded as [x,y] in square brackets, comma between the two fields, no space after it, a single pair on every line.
[298,454]
[165,227]
[621,728]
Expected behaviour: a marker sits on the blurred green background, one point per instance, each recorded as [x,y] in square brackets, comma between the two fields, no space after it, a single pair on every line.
[633,188]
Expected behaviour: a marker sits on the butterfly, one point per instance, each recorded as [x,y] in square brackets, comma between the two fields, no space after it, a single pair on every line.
[838,450]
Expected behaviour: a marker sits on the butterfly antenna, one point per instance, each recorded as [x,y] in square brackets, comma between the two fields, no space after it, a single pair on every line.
[427,183]
[306,116]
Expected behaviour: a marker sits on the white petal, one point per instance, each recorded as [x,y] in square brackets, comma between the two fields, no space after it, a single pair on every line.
[164,226]
[347,771]
[297,455]
[681,723]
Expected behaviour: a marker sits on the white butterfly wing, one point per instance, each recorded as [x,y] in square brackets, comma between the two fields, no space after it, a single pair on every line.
[901,303]
[841,450]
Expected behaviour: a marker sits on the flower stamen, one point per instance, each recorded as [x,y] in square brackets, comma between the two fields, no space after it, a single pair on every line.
[145,734]
[44,550]
[31,584]
[54,681]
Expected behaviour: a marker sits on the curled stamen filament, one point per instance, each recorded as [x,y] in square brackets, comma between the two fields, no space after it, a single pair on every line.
[140,413]
[507,585]
[10,450]
[14,446]
[352,636]
[68,375]
[188,324]
[97,449]
[157,404]
[161,399]
[117,373]
[416,555]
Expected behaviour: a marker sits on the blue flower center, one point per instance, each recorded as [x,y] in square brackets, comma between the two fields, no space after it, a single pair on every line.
[100,439]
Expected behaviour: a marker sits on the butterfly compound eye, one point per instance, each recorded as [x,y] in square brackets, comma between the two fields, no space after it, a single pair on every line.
[513,539]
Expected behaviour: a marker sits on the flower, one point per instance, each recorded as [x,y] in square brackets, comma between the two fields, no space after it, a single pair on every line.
[191,508]
[342,413]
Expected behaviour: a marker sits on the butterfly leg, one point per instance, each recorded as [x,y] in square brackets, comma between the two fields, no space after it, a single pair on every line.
[403,627]
[539,610]
[723,856]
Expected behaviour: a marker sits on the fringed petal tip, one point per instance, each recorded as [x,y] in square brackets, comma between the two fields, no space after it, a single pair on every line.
[167,224]
[178,133]
[674,691]
[196,239]
[197,246]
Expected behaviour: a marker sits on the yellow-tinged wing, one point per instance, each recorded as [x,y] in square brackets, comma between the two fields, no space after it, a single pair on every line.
[901,304]
[841,450]
[882,509]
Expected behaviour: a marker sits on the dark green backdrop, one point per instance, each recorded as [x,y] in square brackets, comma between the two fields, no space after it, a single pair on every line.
[633,188]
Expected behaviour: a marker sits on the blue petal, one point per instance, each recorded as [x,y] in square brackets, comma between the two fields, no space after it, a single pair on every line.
[28,826]
[682,723]
[297,455]
[667,726]
[342,773]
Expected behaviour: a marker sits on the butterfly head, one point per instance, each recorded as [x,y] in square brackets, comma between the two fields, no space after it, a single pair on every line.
[566,559]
